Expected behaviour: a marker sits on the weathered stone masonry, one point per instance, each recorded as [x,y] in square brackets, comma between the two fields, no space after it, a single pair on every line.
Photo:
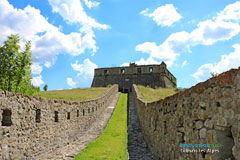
[208,113]
[31,126]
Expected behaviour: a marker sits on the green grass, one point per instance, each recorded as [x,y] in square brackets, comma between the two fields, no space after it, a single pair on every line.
[112,143]
[73,94]
[150,94]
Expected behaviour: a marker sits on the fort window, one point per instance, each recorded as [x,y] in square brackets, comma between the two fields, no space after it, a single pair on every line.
[105,72]
[77,113]
[139,71]
[150,69]
[6,117]
[83,112]
[89,110]
[93,109]
[38,116]
[122,71]
[68,115]
[56,116]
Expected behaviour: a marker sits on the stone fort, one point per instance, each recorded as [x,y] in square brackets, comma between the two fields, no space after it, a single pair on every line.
[153,76]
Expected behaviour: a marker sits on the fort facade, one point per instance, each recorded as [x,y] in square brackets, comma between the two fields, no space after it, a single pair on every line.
[153,76]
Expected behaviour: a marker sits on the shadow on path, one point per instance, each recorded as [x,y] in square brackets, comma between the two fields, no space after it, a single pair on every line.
[137,148]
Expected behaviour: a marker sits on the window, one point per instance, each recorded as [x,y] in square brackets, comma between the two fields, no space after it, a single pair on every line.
[139,71]
[56,116]
[150,69]
[38,116]
[105,72]
[83,112]
[77,113]
[122,71]
[6,117]
[68,115]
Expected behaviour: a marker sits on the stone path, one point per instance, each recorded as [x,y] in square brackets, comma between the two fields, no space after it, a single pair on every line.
[68,152]
[137,148]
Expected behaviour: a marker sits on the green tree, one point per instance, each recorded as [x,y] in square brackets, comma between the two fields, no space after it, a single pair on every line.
[15,66]
[45,87]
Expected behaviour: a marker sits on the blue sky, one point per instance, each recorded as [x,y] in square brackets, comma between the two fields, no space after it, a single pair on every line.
[72,37]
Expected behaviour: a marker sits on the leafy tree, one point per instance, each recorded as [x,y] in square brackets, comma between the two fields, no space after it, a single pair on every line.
[15,66]
[45,87]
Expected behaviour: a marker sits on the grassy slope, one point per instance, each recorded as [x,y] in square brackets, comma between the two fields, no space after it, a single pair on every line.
[112,143]
[73,94]
[151,95]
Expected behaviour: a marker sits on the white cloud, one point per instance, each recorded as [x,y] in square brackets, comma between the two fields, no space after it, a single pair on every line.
[72,11]
[232,60]
[85,72]
[184,63]
[85,69]
[91,4]
[37,81]
[210,32]
[126,64]
[36,68]
[164,15]
[47,40]
[220,28]
[230,13]
[70,82]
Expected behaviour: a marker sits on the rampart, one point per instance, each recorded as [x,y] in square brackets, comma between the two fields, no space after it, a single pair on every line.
[208,113]
[31,126]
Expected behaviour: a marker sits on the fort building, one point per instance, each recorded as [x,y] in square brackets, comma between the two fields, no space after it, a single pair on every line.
[153,76]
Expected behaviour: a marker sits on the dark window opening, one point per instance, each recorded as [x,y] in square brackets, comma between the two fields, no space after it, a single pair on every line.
[77,113]
[56,116]
[89,110]
[105,72]
[150,69]
[38,116]
[93,109]
[83,112]
[139,71]
[122,71]
[6,117]
[68,115]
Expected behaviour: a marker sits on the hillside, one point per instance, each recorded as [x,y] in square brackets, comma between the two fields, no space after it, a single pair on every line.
[79,94]
[150,94]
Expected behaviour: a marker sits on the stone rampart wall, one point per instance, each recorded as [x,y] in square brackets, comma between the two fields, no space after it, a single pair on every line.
[208,113]
[31,126]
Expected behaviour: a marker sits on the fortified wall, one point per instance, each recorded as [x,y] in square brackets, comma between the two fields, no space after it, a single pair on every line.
[31,126]
[148,75]
[208,113]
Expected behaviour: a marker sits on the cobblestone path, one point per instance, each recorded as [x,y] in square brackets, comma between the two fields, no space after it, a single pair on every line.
[137,148]
[68,152]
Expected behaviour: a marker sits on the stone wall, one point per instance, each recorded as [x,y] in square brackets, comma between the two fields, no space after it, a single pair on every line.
[31,126]
[208,113]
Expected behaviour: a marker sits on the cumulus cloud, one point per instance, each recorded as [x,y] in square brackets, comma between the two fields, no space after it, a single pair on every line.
[47,40]
[164,15]
[37,81]
[220,28]
[232,60]
[87,68]
[72,11]
[85,72]
[91,4]
[70,82]
[36,68]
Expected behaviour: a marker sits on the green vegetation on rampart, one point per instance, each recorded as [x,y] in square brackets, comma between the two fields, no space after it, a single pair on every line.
[78,94]
[112,143]
[150,94]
